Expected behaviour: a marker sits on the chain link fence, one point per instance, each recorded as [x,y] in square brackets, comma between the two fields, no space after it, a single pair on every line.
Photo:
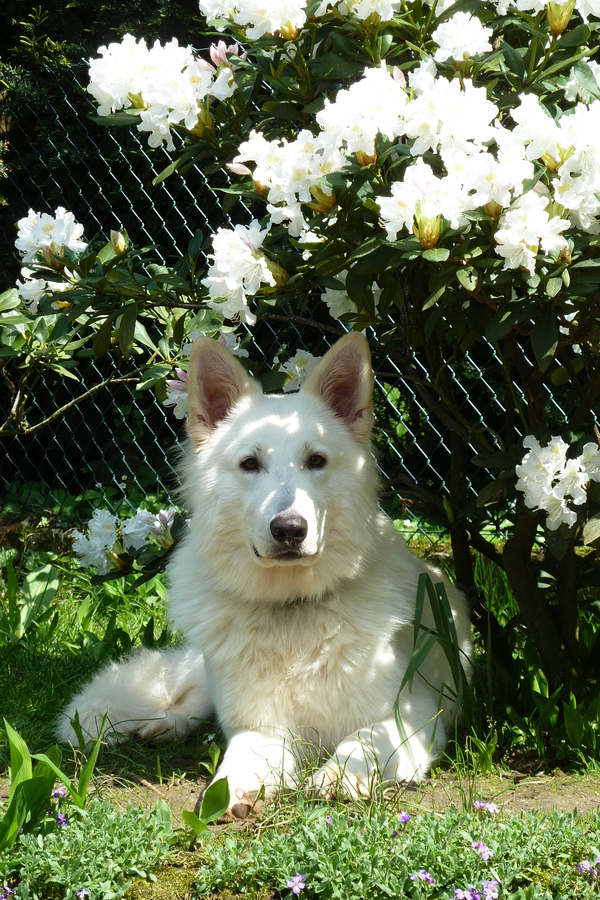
[121,441]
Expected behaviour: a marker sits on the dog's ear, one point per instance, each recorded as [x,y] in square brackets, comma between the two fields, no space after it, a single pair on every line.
[344,380]
[216,381]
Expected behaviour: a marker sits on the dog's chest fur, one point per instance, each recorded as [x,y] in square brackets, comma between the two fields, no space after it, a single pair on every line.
[299,665]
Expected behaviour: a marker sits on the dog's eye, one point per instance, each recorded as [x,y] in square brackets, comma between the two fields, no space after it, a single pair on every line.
[316,461]
[249,464]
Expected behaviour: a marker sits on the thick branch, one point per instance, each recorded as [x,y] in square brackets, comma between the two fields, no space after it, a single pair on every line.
[559,666]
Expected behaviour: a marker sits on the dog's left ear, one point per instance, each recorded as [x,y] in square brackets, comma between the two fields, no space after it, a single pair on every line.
[216,382]
[344,380]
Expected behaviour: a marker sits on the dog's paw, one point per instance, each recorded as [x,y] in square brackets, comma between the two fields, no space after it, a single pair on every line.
[334,780]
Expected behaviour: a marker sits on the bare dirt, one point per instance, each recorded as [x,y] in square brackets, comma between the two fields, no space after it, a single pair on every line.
[514,791]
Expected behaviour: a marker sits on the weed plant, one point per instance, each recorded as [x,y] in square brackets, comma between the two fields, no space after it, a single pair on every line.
[97,850]
[345,855]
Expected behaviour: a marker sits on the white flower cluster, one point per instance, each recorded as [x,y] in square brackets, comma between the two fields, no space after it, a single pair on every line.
[289,172]
[555,483]
[167,84]
[259,17]
[287,17]
[106,537]
[585,8]
[41,231]
[238,270]
[49,235]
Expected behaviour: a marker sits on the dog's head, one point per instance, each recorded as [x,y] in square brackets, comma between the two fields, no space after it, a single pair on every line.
[282,486]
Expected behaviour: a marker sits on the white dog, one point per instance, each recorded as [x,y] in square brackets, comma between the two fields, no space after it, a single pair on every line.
[295,593]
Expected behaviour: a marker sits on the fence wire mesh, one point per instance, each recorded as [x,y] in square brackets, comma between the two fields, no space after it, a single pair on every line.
[98,450]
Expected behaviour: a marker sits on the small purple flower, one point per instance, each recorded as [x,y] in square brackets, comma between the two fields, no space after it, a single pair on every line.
[329,820]
[297,883]
[83,893]
[490,890]
[483,851]
[469,894]
[60,791]
[404,817]
[423,875]
[62,819]
[586,867]
[492,808]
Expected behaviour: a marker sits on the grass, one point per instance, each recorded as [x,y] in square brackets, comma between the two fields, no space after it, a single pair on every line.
[343,850]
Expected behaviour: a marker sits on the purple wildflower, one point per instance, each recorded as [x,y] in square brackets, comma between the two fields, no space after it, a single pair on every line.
[404,817]
[468,894]
[329,820]
[60,791]
[62,819]
[83,893]
[492,808]
[423,875]
[297,883]
[481,848]
[490,890]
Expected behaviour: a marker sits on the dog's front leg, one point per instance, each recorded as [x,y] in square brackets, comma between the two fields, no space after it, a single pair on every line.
[255,760]
[379,754]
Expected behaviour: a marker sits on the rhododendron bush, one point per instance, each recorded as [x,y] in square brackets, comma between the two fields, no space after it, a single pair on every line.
[427,173]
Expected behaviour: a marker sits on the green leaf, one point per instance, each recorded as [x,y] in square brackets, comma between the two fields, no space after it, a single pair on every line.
[101,342]
[39,588]
[436,255]
[544,338]
[591,530]
[193,822]
[127,329]
[501,324]
[585,79]
[573,724]
[215,800]
[468,277]
[513,60]
[9,300]
[20,759]
[578,37]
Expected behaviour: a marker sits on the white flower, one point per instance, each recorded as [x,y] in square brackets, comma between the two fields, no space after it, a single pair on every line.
[102,535]
[167,84]
[135,531]
[423,195]
[177,394]
[551,482]
[298,368]
[230,341]
[587,8]
[290,173]
[573,89]
[374,105]
[41,231]
[238,270]
[338,301]
[590,461]
[462,34]
[449,116]
[259,17]
[31,290]
[525,226]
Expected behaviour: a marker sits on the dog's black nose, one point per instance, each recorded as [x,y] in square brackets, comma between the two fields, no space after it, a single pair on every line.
[289,529]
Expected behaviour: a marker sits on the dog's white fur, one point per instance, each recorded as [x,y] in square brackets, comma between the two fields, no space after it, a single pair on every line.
[295,593]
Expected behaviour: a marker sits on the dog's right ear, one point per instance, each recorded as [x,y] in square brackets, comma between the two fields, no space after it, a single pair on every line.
[216,381]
